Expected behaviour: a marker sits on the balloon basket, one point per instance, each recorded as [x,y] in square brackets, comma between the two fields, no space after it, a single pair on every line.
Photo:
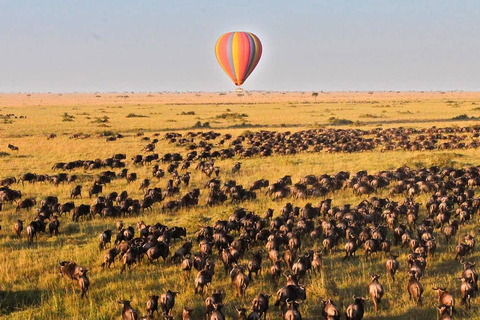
[239,92]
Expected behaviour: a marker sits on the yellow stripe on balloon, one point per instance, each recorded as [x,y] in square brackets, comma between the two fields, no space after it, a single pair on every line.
[236,57]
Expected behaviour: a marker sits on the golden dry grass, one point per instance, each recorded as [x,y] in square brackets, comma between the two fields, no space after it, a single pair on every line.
[30,284]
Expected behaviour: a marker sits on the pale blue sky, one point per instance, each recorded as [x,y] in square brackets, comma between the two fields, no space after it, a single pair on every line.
[162,45]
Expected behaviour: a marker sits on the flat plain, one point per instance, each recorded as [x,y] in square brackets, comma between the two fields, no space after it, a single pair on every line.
[31,286]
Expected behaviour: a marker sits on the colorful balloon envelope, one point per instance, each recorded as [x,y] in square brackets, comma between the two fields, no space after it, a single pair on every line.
[238,54]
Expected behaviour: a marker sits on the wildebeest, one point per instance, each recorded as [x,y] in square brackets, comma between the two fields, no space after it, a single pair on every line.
[81,210]
[375,289]
[95,190]
[152,305]
[292,312]
[71,270]
[392,266]
[329,310]
[18,228]
[83,283]
[128,312]
[446,299]
[76,192]
[109,258]
[356,310]
[26,204]
[104,238]
[415,289]
[204,277]
[53,226]
[260,305]
[167,302]
[239,279]
[33,229]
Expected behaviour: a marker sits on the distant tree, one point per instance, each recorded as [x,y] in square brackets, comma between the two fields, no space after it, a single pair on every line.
[315,95]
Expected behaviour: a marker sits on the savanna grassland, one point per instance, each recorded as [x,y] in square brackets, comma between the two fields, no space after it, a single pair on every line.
[31,286]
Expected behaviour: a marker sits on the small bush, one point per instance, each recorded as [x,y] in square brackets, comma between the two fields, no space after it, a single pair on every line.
[133,115]
[368,115]
[199,124]
[234,115]
[461,117]
[108,133]
[103,119]
[188,113]
[4,154]
[339,122]
[67,117]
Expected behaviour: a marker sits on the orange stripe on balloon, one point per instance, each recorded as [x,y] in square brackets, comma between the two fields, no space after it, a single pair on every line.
[222,55]
[244,54]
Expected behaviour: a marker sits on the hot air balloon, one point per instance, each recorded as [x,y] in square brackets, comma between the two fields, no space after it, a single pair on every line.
[238,54]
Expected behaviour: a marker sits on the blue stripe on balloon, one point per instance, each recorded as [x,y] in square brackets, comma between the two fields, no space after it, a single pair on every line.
[252,54]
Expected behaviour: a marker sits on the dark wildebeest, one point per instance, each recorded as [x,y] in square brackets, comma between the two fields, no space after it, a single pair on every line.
[76,192]
[152,305]
[167,302]
[26,204]
[95,190]
[53,226]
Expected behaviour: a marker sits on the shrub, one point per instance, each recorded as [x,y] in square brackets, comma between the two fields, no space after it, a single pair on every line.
[67,117]
[199,124]
[234,115]
[339,122]
[103,119]
[461,117]
[133,115]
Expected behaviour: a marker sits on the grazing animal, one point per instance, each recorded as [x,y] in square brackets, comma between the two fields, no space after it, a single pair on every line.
[71,270]
[84,283]
[260,305]
[76,192]
[204,277]
[446,299]
[215,298]
[152,305]
[239,279]
[53,226]
[356,310]
[18,228]
[329,310]
[292,312]
[167,302]
[187,313]
[128,312]
[415,289]
[109,258]
[392,266]
[467,289]
[445,312]
[375,289]
[104,238]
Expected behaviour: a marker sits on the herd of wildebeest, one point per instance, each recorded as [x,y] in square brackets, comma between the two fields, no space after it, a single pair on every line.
[293,239]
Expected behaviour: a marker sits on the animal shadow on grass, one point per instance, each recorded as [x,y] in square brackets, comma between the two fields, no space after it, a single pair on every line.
[11,301]
[411,314]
